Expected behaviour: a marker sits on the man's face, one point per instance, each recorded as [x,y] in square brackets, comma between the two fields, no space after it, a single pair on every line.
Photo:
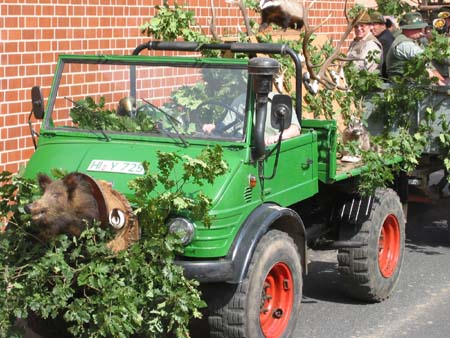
[378,28]
[414,34]
[361,30]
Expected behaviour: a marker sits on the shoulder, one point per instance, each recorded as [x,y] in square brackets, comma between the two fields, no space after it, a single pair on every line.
[371,40]
[408,49]
[386,36]
[408,45]
[371,43]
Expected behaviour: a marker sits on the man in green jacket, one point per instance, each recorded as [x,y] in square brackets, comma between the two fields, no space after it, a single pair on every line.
[405,48]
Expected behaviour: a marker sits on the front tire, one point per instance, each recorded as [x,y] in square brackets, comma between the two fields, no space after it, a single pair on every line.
[267,302]
[371,271]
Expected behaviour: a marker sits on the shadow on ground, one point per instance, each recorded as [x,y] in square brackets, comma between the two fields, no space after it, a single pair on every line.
[428,226]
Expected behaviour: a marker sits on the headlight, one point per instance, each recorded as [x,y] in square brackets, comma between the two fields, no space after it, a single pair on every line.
[183,228]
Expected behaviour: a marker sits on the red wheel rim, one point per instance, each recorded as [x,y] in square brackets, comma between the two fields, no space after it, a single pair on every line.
[277,301]
[389,246]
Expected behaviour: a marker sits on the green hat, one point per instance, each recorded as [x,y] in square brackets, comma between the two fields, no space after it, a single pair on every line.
[377,17]
[365,19]
[412,21]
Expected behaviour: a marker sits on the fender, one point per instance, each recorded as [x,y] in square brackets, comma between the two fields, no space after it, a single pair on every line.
[233,267]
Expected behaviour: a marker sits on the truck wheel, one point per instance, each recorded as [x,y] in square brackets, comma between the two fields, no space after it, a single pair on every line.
[267,302]
[371,271]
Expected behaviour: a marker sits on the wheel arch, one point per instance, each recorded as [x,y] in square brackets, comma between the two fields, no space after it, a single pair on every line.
[266,217]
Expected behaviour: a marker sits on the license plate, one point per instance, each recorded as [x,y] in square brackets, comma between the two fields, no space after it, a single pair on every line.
[122,167]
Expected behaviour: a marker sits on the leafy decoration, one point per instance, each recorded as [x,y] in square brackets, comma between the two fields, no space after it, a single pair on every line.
[80,285]
[393,7]
[88,114]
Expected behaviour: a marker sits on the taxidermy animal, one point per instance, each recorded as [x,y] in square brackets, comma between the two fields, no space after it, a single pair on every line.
[69,204]
[127,107]
[355,131]
[284,13]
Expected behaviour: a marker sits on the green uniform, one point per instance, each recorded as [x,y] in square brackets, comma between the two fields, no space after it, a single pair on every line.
[402,49]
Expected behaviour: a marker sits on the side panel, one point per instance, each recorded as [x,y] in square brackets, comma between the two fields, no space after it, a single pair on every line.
[295,178]
[326,140]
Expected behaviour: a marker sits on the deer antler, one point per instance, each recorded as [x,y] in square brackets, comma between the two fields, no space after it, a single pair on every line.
[241,5]
[212,24]
[321,77]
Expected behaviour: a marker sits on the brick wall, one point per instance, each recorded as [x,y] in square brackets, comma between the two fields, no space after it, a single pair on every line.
[34,32]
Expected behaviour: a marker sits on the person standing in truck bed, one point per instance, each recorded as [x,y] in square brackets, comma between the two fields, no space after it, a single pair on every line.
[405,46]
[384,35]
[364,45]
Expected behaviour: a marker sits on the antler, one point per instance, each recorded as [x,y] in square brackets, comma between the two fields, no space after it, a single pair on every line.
[241,5]
[212,24]
[321,77]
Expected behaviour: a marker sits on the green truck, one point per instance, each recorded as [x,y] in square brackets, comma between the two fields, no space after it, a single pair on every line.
[274,203]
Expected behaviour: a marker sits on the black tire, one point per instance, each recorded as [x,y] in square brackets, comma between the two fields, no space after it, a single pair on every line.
[240,311]
[371,271]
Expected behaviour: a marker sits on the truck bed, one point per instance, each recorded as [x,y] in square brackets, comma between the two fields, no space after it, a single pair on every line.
[347,168]
[330,168]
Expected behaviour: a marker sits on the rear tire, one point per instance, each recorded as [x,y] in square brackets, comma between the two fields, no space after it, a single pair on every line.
[371,271]
[267,302]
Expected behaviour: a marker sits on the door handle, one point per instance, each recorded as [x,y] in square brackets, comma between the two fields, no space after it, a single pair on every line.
[307,164]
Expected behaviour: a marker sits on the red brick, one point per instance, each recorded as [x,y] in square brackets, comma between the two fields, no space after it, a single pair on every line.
[14,156]
[28,34]
[13,10]
[12,119]
[10,145]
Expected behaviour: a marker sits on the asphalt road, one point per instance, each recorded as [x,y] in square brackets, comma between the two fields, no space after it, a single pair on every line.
[419,307]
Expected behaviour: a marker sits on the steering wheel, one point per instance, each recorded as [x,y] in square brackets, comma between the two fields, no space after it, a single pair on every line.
[220,129]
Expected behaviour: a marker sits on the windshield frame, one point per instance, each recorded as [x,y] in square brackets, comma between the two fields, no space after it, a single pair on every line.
[137,60]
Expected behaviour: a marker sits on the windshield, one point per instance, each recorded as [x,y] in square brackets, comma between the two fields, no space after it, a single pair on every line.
[187,100]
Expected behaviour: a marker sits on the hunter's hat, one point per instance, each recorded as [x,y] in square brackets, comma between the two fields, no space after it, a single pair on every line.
[377,17]
[412,21]
[365,19]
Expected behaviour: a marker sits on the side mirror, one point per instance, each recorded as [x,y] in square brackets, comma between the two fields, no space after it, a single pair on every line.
[37,102]
[281,112]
